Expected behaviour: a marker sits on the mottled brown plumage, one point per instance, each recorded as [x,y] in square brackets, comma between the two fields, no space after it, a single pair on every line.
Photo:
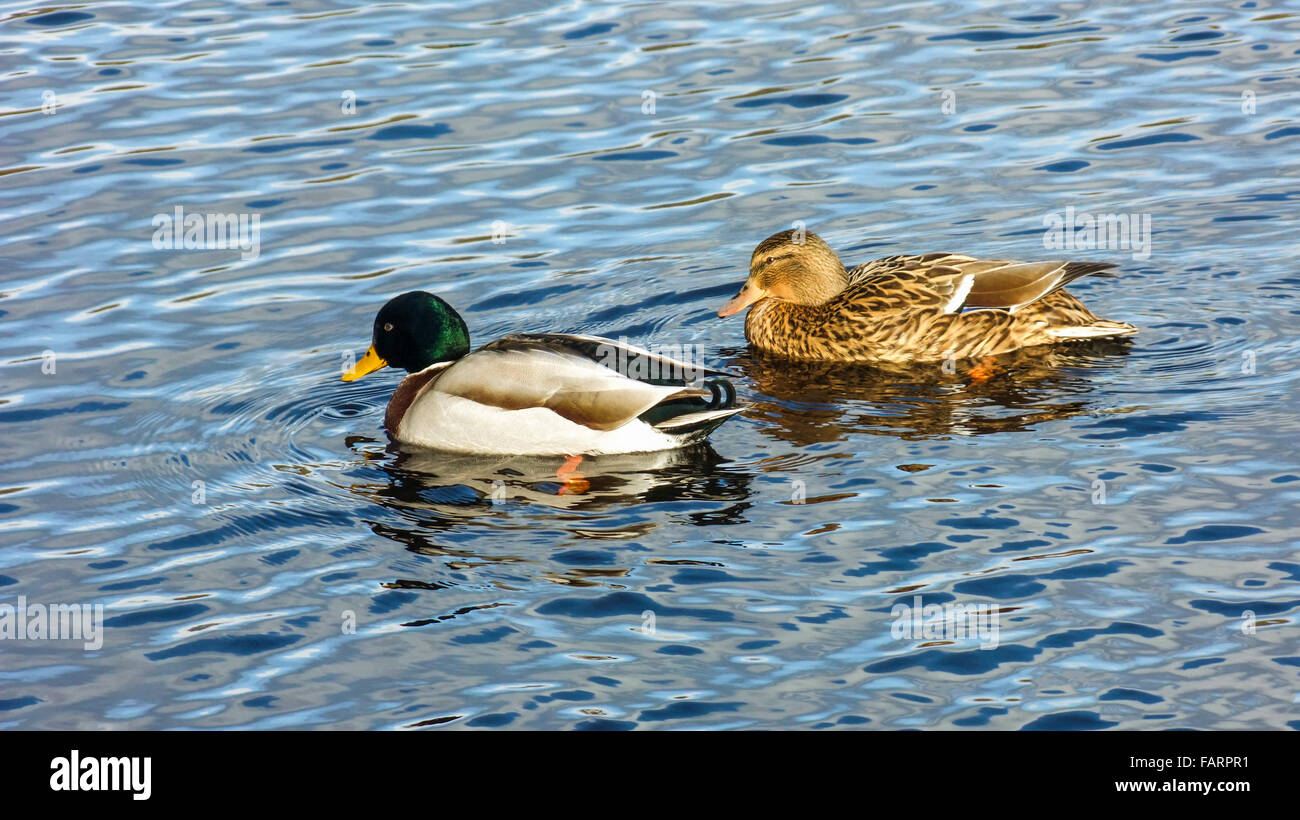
[806,306]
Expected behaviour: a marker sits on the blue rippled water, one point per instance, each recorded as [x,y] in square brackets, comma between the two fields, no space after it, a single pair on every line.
[178,448]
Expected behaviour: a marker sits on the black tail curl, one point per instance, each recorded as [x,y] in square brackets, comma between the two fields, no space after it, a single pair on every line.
[723,394]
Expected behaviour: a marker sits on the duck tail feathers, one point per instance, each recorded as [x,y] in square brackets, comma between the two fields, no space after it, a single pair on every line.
[1098,329]
[697,425]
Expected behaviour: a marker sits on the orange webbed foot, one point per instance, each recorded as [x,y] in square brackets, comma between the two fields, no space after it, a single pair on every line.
[574,483]
[986,369]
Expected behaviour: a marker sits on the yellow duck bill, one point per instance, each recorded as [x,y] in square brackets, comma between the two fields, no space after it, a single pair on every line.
[369,364]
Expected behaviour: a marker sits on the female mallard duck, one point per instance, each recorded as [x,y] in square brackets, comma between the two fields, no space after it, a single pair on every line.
[535,394]
[908,308]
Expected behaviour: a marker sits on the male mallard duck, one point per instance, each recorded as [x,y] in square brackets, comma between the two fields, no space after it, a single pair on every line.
[535,394]
[908,308]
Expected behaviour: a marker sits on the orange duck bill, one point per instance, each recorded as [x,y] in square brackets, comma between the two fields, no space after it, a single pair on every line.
[748,295]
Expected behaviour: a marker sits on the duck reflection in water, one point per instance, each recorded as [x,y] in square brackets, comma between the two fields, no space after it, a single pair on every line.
[817,402]
[459,486]
[434,495]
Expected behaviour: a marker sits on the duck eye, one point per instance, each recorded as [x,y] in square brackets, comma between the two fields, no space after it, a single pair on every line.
[388,326]
[770,260]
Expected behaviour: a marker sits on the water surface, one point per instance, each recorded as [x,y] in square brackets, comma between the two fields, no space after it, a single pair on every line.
[267,559]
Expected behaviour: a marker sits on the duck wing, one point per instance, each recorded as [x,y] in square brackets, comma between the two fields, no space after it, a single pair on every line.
[585,379]
[953,282]
[628,359]
[1012,285]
